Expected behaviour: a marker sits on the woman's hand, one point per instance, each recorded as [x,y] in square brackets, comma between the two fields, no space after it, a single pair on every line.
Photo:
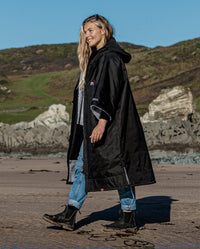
[98,131]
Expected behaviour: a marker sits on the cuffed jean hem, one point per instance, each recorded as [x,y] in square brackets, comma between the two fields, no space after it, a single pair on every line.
[127,198]
[128,208]
[74,203]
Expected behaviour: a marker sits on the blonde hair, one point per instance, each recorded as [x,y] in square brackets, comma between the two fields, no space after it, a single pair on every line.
[84,50]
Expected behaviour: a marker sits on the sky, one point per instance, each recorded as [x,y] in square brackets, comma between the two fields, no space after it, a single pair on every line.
[149,23]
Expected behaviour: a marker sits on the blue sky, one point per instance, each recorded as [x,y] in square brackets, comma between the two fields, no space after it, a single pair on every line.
[144,22]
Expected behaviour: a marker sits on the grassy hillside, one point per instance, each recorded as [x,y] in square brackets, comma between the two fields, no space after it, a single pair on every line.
[32,94]
[39,76]
[164,67]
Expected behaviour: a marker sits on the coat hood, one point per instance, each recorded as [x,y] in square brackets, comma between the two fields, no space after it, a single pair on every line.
[112,45]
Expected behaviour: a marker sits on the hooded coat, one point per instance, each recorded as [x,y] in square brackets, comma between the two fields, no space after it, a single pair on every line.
[121,158]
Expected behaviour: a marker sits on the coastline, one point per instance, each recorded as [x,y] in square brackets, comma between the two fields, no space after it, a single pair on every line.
[157,156]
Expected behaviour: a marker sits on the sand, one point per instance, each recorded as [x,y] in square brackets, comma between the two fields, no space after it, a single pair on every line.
[168,212]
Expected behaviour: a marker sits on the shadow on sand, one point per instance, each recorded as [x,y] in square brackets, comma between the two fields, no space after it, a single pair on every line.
[154,209]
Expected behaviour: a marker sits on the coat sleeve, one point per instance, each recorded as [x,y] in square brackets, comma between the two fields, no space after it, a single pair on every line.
[109,86]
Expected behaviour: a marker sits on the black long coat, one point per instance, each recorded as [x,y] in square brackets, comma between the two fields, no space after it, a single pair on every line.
[121,157]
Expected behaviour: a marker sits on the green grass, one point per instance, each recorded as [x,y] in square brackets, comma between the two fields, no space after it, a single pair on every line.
[40,90]
[15,117]
[30,92]
[62,85]
[197,104]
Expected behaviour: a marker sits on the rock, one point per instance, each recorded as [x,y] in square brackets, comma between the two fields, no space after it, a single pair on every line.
[39,51]
[145,77]
[135,79]
[193,53]
[48,133]
[29,68]
[171,103]
[4,92]
[68,66]
[53,118]
[178,135]
[168,124]
[177,59]
[27,61]
[4,88]
[173,157]
[174,58]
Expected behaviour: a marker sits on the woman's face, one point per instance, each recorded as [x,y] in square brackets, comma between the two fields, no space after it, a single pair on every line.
[94,35]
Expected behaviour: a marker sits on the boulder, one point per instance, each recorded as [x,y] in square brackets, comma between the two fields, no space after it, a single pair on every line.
[171,103]
[47,133]
[171,123]
[53,118]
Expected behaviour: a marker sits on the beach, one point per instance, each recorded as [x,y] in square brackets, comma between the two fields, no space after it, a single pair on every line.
[168,212]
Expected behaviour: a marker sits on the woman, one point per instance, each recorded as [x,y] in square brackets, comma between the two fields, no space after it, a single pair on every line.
[107,149]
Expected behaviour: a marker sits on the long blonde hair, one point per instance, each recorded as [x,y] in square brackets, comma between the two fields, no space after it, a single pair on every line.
[84,51]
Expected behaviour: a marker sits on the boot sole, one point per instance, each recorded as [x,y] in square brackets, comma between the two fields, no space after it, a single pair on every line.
[123,230]
[63,225]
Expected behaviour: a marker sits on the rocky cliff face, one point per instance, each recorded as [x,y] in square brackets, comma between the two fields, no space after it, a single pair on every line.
[177,135]
[48,133]
[170,104]
[168,124]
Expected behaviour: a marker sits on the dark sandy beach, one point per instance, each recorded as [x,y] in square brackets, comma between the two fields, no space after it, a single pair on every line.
[168,212]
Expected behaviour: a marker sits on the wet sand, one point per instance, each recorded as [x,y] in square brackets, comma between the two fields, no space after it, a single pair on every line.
[168,212]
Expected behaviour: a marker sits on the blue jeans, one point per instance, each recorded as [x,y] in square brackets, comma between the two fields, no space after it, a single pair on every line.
[77,193]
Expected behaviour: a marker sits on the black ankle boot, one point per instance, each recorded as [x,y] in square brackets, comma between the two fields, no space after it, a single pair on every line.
[125,223]
[66,219]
